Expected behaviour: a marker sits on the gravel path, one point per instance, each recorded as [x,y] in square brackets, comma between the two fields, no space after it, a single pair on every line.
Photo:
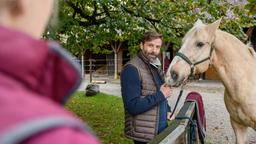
[218,127]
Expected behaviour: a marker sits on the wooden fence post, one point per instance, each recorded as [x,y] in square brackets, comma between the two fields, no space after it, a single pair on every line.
[91,65]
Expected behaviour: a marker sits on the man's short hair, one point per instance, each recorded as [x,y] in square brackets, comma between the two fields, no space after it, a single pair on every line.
[151,35]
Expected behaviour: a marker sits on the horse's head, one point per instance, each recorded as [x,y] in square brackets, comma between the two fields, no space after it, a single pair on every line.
[194,54]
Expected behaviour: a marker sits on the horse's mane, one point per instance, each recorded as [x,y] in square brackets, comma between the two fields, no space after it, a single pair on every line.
[236,42]
[229,36]
[193,30]
[199,25]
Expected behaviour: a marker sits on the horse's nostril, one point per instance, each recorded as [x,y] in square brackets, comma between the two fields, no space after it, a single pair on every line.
[174,75]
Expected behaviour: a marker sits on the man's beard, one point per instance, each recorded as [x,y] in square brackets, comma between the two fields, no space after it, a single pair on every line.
[153,59]
[149,56]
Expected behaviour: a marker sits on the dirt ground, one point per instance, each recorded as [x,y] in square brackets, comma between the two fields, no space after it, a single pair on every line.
[218,127]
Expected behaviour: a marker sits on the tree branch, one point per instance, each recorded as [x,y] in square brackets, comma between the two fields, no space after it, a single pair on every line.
[91,22]
[77,10]
[90,19]
[151,20]
[105,8]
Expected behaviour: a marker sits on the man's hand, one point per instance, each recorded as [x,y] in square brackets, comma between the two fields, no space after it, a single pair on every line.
[166,90]
[169,116]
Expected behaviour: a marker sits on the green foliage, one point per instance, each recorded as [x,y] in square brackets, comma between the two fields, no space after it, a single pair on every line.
[96,24]
[251,6]
[103,113]
[234,17]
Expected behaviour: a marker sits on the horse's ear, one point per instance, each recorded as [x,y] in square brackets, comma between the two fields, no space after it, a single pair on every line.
[214,26]
[198,22]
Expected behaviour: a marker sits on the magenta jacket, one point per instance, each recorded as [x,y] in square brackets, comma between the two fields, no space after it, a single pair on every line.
[35,79]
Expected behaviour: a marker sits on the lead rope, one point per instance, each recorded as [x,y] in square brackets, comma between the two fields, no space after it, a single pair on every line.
[178,99]
[192,130]
[192,138]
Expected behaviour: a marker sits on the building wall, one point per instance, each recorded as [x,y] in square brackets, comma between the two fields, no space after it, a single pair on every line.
[211,74]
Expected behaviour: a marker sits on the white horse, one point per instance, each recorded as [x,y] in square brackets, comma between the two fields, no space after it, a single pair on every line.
[235,63]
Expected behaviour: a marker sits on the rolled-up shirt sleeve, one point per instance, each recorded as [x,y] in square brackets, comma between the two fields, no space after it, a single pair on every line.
[131,92]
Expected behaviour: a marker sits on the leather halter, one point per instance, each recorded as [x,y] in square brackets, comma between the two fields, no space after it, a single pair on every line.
[192,65]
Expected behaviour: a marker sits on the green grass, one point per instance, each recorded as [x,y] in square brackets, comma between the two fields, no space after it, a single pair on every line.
[103,113]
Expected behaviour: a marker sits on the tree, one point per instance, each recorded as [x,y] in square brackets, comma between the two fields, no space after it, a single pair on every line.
[96,25]
[251,6]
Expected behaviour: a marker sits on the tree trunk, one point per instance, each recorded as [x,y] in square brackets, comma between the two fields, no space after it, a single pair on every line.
[115,47]
[115,74]
[82,50]
[82,65]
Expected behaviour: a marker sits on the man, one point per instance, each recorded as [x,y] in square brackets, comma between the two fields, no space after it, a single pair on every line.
[144,92]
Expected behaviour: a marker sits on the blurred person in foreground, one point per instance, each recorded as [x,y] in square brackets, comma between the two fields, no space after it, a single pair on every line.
[36,77]
[144,92]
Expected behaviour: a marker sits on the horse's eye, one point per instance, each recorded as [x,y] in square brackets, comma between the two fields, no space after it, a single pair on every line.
[199,44]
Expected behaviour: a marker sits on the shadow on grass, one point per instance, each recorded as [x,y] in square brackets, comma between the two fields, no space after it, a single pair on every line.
[103,113]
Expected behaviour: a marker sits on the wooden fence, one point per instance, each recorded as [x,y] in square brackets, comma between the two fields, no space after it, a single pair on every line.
[180,129]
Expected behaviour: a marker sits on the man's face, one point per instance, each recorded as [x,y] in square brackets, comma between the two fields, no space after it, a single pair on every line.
[151,49]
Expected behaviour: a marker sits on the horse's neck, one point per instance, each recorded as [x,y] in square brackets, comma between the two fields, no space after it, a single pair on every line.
[231,59]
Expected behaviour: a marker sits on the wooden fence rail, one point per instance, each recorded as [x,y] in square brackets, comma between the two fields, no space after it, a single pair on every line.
[179,130]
